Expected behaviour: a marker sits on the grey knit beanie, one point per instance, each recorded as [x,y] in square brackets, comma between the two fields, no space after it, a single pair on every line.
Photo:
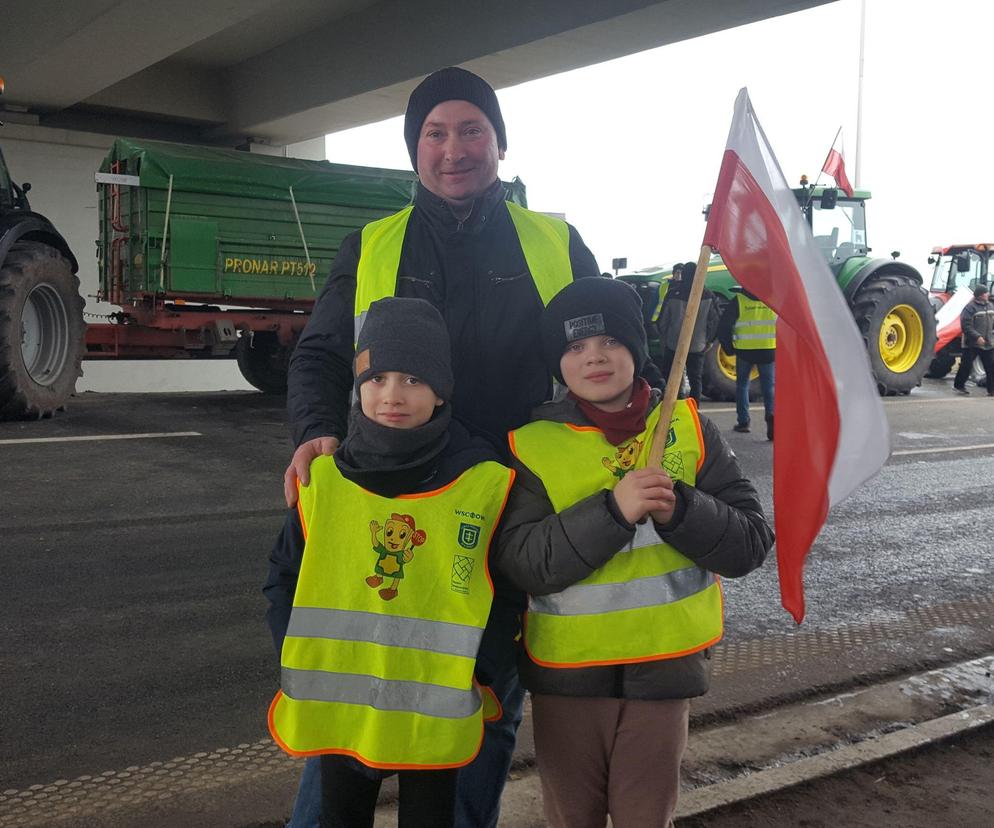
[593,306]
[407,335]
[450,84]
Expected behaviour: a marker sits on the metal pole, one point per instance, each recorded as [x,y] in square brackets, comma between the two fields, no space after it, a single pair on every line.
[859,95]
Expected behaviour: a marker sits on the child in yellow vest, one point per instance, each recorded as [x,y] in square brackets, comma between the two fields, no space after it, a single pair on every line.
[379,584]
[620,562]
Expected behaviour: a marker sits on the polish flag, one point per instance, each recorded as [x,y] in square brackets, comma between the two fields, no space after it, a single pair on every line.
[835,166]
[831,433]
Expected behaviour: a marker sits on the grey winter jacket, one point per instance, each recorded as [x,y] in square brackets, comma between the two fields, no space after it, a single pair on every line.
[977,319]
[671,320]
[718,523]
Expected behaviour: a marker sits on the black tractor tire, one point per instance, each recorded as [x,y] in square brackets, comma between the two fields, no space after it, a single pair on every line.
[719,376]
[897,323]
[263,361]
[41,332]
[942,363]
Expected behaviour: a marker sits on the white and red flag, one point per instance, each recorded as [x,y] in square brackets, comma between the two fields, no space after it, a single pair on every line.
[947,318]
[835,166]
[831,434]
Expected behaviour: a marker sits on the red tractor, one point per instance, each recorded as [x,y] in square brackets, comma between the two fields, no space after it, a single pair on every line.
[958,269]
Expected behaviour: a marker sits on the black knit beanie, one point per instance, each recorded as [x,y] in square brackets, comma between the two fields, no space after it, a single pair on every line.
[980,290]
[450,84]
[407,335]
[593,306]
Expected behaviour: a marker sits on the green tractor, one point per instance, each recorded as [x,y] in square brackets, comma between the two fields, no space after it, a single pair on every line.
[41,311]
[887,297]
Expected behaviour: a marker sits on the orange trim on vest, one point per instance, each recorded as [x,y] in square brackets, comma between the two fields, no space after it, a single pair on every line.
[692,405]
[490,540]
[354,754]
[300,512]
[555,665]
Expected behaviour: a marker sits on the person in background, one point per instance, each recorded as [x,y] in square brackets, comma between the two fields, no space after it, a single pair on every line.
[379,585]
[748,329]
[620,562]
[489,267]
[977,321]
[671,320]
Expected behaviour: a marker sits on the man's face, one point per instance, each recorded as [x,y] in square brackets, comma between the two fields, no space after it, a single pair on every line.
[457,152]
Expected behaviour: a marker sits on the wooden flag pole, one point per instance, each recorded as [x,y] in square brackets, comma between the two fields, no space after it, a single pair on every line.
[679,359]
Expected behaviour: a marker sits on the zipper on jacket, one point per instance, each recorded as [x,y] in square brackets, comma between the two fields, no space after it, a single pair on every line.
[497,280]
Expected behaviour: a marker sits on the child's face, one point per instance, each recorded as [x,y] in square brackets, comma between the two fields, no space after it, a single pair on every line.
[600,370]
[397,400]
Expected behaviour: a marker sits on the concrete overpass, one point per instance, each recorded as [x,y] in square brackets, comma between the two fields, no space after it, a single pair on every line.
[275,76]
[284,71]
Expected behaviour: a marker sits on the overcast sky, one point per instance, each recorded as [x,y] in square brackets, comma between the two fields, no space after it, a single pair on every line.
[630,149]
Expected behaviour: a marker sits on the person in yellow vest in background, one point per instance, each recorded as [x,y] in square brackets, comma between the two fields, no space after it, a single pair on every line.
[620,562]
[489,267]
[748,329]
[379,585]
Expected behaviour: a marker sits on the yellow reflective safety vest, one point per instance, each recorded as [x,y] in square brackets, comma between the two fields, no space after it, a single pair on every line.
[648,602]
[664,286]
[756,327]
[544,241]
[388,614]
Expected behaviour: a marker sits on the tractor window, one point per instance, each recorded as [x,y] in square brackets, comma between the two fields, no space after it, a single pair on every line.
[6,190]
[840,232]
[948,277]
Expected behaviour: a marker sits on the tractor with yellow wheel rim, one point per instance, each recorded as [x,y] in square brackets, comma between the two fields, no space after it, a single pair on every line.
[889,302]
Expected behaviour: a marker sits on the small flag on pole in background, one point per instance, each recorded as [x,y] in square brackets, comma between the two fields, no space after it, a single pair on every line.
[831,433]
[835,166]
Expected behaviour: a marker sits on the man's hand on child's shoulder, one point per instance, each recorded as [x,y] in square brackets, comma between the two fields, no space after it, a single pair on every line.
[645,492]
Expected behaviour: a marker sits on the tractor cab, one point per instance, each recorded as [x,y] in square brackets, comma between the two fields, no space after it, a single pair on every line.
[958,266]
[837,221]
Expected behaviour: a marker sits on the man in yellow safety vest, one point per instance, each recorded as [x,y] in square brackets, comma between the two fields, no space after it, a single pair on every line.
[748,329]
[489,267]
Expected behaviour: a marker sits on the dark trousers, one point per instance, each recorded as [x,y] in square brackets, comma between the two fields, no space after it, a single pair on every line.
[348,796]
[481,782]
[966,365]
[695,371]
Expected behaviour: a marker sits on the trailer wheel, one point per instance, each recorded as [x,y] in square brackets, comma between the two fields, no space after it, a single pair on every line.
[719,375]
[263,361]
[41,332]
[897,322]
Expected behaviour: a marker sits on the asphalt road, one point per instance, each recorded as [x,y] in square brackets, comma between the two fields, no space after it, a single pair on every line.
[132,624]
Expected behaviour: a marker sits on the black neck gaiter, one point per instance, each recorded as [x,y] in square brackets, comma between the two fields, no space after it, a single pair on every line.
[392,461]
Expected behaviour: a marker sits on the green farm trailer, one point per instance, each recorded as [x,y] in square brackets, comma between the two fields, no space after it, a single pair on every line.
[212,253]
[209,253]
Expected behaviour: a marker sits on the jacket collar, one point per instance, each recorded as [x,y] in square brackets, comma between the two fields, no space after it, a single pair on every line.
[437,211]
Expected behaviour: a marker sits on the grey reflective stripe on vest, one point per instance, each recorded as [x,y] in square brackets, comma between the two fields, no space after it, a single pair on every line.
[769,326]
[382,694]
[598,599]
[389,630]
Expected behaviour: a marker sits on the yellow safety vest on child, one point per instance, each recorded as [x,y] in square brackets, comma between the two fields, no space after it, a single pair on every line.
[649,602]
[388,614]
[544,241]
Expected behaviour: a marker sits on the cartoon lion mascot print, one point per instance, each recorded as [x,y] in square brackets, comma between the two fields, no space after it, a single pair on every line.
[400,536]
[625,457]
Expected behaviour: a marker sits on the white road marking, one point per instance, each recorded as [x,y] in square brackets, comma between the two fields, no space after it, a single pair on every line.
[943,450]
[95,437]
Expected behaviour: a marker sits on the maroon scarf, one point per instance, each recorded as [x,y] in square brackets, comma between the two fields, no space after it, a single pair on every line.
[619,426]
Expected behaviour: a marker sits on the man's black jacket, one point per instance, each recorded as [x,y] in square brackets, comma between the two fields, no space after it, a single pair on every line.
[474,272]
